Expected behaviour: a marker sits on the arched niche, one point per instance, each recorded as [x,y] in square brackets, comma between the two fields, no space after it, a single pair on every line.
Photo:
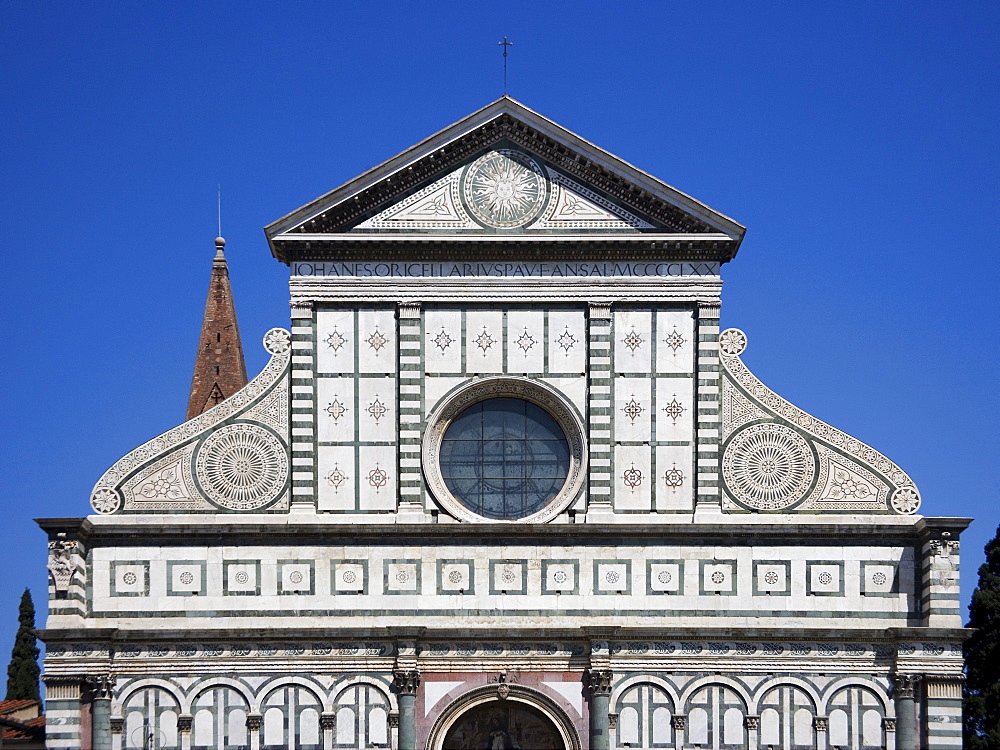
[494,716]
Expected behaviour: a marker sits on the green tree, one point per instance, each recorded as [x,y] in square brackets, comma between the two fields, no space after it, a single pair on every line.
[982,655]
[22,672]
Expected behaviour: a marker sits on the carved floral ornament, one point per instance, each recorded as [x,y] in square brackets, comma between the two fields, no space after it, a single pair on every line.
[231,457]
[776,456]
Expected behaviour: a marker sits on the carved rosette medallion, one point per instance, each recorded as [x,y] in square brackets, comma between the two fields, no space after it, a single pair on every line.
[505,189]
[768,466]
[242,466]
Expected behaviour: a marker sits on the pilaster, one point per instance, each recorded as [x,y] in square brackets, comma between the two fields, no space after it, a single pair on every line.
[303,407]
[599,682]
[599,408]
[708,424]
[941,601]
[944,710]
[411,403]
[63,704]
[100,707]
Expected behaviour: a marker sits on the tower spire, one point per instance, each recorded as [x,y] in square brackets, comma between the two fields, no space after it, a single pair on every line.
[219,367]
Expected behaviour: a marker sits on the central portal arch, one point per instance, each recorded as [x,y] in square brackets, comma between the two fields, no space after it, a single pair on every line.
[514,718]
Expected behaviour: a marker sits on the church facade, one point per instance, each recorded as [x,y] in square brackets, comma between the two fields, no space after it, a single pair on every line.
[504,485]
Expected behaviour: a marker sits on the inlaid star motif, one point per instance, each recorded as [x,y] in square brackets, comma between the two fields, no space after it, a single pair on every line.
[674,409]
[674,477]
[484,341]
[632,409]
[377,478]
[633,340]
[525,341]
[442,341]
[377,409]
[376,341]
[336,340]
[336,409]
[632,477]
[674,340]
[566,340]
[336,478]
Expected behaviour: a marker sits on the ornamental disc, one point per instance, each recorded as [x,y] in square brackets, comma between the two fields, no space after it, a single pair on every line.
[242,466]
[505,189]
[768,466]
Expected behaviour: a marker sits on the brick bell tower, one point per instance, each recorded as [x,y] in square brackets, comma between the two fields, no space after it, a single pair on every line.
[219,367]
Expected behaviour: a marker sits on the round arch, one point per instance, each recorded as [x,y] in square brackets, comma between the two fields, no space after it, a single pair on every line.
[784,681]
[501,694]
[322,696]
[346,684]
[215,682]
[726,682]
[888,706]
[127,691]
[627,684]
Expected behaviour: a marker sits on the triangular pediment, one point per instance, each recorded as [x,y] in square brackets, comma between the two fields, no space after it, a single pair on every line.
[505,189]
[506,172]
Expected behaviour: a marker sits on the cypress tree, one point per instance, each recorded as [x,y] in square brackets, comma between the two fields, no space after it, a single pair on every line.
[982,655]
[22,672]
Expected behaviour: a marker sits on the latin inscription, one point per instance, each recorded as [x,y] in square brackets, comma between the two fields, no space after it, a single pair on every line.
[505,270]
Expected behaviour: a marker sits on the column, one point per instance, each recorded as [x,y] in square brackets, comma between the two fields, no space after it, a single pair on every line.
[821,724]
[709,417]
[117,725]
[679,723]
[328,723]
[406,683]
[904,694]
[184,731]
[411,398]
[100,708]
[303,406]
[752,724]
[254,722]
[599,406]
[599,682]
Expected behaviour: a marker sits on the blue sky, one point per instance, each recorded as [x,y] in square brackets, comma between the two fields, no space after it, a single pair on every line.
[856,141]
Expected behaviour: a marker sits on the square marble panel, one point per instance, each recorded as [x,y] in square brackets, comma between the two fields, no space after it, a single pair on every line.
[525,341]
[129,578]
[664,576]
[633,410]
[442,341]
[377,341]
[335,341]
[349,576]
[378,413]
[718,576]
[377,478]
[675,409]
[484,344]
[567,342]
[772,577]
[337,475]
[631,332]
[825,578]
[632,478]
[336,410]
[878,578]
[296,577]
[674,480]
[401,576]
[185,577]
[241,577]
[612,576]
[508,576]
[455,576]
[675,341]
[560,576]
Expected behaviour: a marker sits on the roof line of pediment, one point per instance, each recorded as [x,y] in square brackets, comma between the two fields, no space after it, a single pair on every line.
[504,120]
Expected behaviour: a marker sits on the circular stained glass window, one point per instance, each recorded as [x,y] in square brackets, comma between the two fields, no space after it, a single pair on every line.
[504,458]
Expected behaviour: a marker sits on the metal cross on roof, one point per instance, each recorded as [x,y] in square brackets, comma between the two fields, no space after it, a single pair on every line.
[505,44]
